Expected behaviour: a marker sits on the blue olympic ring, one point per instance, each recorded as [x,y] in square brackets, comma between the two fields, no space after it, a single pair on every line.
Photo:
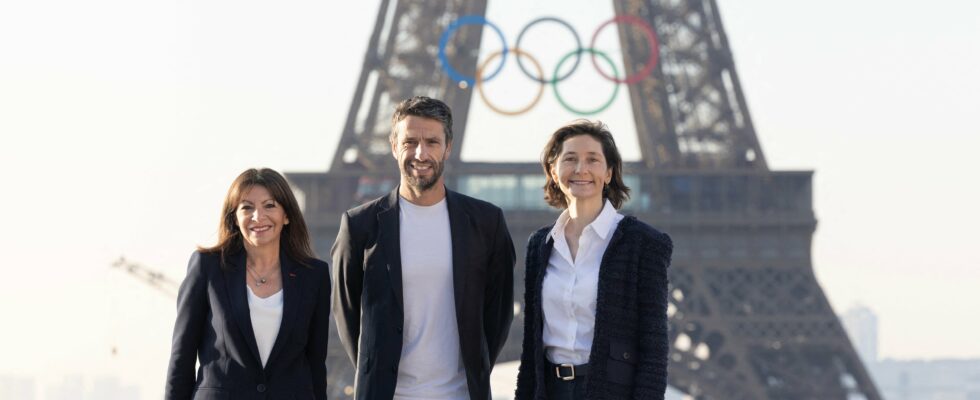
[444,40]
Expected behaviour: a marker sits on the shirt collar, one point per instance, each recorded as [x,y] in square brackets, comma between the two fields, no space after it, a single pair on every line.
[602,225]
[558,230]
[606,221]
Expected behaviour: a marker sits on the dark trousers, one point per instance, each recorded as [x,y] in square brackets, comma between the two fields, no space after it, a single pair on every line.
[559,389]
[565,390]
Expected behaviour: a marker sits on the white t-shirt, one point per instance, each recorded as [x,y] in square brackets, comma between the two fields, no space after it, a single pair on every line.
[266,316]
[431,366]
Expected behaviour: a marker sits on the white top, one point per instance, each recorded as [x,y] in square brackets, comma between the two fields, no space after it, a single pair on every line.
[568,294]
[266,316]
[431,366]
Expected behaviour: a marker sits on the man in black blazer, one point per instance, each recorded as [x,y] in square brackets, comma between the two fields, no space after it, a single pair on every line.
[424,275]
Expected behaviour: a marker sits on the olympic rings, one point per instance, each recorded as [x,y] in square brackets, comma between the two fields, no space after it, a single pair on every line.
[651,40]
[615,87]
[517,54]
[578,45]
[466,81]
[444,40]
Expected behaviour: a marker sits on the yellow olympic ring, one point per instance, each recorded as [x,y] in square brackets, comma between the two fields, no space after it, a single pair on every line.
[517,53]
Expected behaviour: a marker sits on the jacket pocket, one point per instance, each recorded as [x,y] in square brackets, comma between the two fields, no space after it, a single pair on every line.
[364,363]
[206,393]
[622,362]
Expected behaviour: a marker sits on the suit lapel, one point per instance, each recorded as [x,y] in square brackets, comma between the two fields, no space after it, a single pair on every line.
[606,273]
[459,223]
[544,254]
[605,269]
[235,282]
[390,243]
[292,298]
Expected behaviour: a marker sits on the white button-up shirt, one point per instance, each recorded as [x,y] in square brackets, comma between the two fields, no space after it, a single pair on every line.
[568,294]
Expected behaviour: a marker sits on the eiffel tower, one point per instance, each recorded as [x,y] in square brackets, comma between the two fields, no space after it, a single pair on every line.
[748,319]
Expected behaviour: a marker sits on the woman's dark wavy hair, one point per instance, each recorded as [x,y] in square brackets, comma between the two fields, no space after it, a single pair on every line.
[294,240]
[616,191]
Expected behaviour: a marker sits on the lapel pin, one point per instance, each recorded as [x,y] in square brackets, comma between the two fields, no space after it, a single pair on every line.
[292,275]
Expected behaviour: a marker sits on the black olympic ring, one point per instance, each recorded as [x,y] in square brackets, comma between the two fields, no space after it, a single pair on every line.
[578,45]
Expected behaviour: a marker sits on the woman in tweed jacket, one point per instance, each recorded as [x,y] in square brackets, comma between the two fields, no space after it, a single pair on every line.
[595,294]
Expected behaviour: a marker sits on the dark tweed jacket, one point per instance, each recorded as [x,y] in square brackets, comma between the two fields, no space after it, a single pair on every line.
[629,352]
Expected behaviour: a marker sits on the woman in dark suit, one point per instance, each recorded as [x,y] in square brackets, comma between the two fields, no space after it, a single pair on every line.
[254,309]
[596,282]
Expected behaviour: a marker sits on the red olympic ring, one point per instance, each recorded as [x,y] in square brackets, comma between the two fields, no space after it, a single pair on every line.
[651,37]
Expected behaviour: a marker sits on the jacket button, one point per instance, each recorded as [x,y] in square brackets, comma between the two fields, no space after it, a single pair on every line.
[399,329]
[394,370]
[626,356]
[260,388]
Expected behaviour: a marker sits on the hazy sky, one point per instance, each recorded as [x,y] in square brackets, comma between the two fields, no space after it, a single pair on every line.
[123,123]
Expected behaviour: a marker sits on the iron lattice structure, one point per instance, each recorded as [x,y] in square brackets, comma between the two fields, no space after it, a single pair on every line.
[748,318]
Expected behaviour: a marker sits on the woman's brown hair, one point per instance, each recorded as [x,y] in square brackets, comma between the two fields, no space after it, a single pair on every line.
[294,240]
[616,191]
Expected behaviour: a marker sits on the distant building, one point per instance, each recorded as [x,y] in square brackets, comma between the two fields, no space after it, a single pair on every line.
[928,380]
[109,388]
[71,388]
[861,325]
[74,387]
[16,388]
[910,379]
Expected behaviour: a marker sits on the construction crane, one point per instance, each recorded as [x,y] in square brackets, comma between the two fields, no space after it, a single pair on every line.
[157,280]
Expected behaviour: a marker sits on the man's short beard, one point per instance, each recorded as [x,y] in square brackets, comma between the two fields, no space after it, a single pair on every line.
[420,183]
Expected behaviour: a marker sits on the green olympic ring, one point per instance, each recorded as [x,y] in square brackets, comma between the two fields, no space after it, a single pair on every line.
[601,108]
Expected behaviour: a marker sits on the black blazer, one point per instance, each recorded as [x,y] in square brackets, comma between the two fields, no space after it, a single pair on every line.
[213,326]
[368,300]
[628,359]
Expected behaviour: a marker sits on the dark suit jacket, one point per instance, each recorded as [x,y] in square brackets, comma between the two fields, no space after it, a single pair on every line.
[628,359]
[213,326]
[368,300]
